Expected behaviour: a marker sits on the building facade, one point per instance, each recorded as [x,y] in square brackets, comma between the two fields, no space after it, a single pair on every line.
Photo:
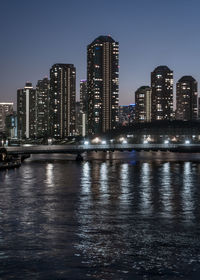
[162,93]
[78,119]
[11,126]
[143,104]
[83,107]
[186,99]
[42,110]
[26,112]
[103,85]
[62,100]
[5,110]
[83,96]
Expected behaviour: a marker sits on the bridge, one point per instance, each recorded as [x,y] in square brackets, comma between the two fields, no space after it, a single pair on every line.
[79,149]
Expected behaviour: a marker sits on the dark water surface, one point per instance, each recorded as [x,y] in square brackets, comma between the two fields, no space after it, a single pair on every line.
[118,216]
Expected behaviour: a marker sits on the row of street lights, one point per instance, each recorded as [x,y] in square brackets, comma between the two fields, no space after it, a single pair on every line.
[122,140]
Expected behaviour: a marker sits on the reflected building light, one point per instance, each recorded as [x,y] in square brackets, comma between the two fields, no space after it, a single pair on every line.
[165,190]
[145,189]
[125,193]
[187,198]
[49,175]
[104,178]
[86,179]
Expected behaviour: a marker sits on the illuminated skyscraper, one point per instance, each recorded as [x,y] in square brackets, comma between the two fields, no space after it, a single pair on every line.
[103,84]
[186,99]
[26,111]
[62,100]
[162,93]
[42,93]
[143,104]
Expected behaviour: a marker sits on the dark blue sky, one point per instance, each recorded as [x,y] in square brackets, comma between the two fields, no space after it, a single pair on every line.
[36,34]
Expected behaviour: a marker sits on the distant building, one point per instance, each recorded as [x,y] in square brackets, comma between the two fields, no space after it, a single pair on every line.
[186,99]
[162,93]
[83,107]
[5,110]
[11,125]
[126,114]
[42,94]
[26,111]
[78,119]
[83,96]
[143,104]
[62,100]
[103,84]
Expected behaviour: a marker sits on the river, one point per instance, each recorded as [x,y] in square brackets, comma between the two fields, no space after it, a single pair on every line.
[112,216]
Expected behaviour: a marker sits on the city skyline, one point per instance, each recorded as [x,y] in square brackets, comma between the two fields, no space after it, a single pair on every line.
[152,34]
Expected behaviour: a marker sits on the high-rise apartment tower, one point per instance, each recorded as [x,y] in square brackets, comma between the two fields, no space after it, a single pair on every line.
[143,104]
[26,111]
[162,93]
[5,110]
[42,93]
[103,84]
[186,99]
[62,100]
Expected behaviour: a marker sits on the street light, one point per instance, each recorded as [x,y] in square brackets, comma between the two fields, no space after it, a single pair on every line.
[187,141]
[96,140]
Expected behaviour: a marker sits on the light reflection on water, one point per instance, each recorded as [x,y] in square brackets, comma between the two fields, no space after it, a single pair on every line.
[146,189]
[108,218]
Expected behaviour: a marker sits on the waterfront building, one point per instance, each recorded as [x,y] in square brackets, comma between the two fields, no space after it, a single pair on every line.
[42,110]
[143,104]
[162,93]
[11,126]
[62,100]
[103,84]
[186,99]
[5,110]
[126,114]
[26,111]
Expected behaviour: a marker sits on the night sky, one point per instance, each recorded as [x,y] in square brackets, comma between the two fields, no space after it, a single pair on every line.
[35,34]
